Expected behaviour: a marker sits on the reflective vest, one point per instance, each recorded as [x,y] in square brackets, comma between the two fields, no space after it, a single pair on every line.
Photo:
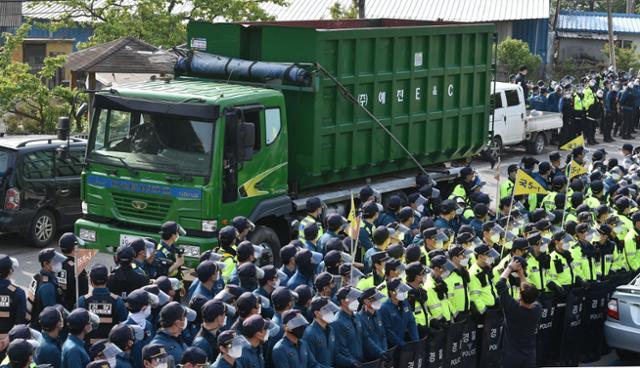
[549,201]
[537,275]
[307,221]
[458,191]
[514,290]
[230,266]
[458,292]
[481,288]
[577,103]
[419,310]
[561,271]
[438,305]
[506,188]
[592,202]
[631,254]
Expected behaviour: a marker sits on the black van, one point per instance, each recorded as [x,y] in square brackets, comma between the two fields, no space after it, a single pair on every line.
[39,189]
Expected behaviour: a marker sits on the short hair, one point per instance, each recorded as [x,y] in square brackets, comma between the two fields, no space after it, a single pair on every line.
[528,293]
[522,67]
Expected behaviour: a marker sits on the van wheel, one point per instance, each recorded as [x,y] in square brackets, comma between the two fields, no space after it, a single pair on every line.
[626,355]
[493,150]
[1,135]
[268,239]
[43,229]
[536,146]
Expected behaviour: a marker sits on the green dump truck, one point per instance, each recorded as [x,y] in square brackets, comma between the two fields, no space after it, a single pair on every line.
[359,102]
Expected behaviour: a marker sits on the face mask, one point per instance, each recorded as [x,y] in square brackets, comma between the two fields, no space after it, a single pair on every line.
[56,267]
[445,274]
[376,305]
[459,211]
[159,365]
[112,362]
[464,262]
[298,331]
[401,296]
[177,238]
[565,246]
[544,248]
[329,317]
[589,238]
[353,306]
[184,323]
[495,238]
[224,321]
[235,352]
[439,244]
[147,312]
[266,336]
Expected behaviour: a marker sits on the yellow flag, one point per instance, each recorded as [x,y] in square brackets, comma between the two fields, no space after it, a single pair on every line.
[576,142]
[525,184]
[352,211]
[576,170]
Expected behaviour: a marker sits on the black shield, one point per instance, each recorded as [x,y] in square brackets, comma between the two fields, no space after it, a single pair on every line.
[491,340]
[434,348]
[573,328]
[454,345]
[595,313]
[409,354]
[544,336]
[469,342]
[372,364]
[391,363]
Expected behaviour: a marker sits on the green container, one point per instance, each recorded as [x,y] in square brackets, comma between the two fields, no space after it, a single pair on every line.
[428,84]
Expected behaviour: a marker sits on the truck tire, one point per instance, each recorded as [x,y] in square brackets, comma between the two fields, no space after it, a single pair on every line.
[536,145]
[267,237]
[43,229]
[493,150]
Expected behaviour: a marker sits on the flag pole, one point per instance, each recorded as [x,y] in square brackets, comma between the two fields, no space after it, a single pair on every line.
[498,186]
[354,248]
[75,271]
[566,190]
[506,226]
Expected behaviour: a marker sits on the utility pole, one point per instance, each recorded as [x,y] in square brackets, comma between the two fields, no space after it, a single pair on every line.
[361,9]
[612,46]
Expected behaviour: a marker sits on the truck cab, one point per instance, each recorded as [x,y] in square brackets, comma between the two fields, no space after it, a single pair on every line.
[188,150]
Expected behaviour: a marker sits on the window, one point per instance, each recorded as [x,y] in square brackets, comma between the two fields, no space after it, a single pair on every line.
[272,124]
[33,54]
[72,166]
[512,97]
[253,116]
[497,101]
[38,165]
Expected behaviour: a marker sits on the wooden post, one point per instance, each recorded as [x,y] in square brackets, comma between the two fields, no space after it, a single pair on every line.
[612,46]
[361,4]
[91,88]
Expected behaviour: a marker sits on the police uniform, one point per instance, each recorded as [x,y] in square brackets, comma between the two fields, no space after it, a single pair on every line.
[124,279]
[374,328]
[43,292]
[108,306]
[458,290]
[561,272]
[48,352]
[438,305]
[13,306]
[67,282]
[164,258]
[481,288]
[174,345]
[74,353]
[286,354]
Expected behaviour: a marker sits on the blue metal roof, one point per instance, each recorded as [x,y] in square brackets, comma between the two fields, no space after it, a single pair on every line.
[596,22]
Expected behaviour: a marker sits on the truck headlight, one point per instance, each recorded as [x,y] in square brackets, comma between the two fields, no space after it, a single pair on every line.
[209,226]
[85,208]
[88,235]
[191,250]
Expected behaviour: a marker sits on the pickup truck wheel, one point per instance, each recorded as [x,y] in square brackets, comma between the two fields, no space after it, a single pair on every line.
[494,150]
[43,229]
[536,147]
[268,239]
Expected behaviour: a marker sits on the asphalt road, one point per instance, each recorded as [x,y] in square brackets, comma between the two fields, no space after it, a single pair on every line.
[27,255]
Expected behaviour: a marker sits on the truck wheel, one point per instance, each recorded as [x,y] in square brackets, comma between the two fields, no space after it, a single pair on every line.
[43,229]
[626,355]
[268,239]
[493,150]
[536,146]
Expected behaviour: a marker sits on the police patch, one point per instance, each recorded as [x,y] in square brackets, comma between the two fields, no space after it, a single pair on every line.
[101,309]
[5,301]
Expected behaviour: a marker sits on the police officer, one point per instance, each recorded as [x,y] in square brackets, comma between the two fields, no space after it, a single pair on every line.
[438,304]
[173,320]
[447,218]
[320,335]
[481,286]
[417,297]
[123,336]
[13,308]
[50,349]
[519,248]
[507,186]
[214,318]
[381,241]
[538,261]
[247,305]
[306,262]
[271,279]
[20,353]
[391,214]
[194,357]
[292,350]
[465,181]
[396,316]
[144,253]
[80,322]
[311,237]
[287,257]
[605,252]
[208,274]
[140,303]
[631,241]
[458,281]
[244,226]
[124,279]
[230,347]
[561,274]
[67,277]
[371,301]
[314,211]
[44,290]
[154,356]
[109,307]
[335,225]
[227,247]
[168,259]
[256,331]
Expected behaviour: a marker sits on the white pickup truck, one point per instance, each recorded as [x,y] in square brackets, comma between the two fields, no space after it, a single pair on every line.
[512,124]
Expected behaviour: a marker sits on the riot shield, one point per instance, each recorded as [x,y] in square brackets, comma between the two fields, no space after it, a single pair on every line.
[595,313]
[434,348]
[544,336]
[573,328]
[491,341]
[391,363]
[372,364]
[453,351]
[409,355]
[469,344]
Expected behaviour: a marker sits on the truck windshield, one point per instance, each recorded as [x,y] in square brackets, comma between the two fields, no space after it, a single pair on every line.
[153,141]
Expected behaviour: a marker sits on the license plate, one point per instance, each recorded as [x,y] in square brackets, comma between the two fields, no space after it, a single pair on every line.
[126,239]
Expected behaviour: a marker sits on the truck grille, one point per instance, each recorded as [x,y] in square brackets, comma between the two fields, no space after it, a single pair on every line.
[140,208]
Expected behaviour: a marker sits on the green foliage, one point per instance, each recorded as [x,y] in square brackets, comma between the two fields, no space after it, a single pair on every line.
[514,53]
[338,12]
[617,6]
[626,58]
[26,95]
[158,22]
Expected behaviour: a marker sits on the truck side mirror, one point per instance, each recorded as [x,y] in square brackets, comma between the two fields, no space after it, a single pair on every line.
[246,141]
[82,110]
[63,128]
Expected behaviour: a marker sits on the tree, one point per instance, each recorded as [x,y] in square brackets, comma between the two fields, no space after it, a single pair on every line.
[340,12]
[158,22]
[626,58]
[26,94]
[513,53]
